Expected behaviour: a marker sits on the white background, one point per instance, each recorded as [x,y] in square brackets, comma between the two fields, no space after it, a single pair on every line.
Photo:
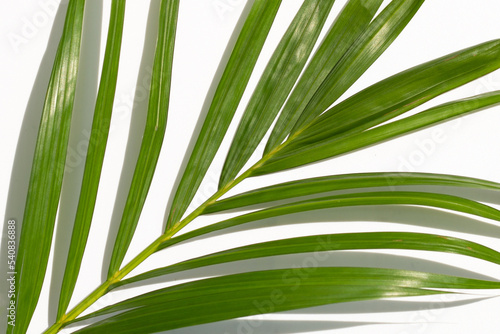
[469,147]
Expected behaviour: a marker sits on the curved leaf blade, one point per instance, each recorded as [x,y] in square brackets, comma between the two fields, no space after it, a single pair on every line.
[95,154]
[320,185]
[330,242]
[275,84]
[292,157]
[224,103]
[441,201]
[402,92]
[350,24]
[231,296]
[154,132]
[378,37]
[47,171]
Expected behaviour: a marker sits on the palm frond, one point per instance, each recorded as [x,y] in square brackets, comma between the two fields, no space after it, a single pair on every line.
[295,116]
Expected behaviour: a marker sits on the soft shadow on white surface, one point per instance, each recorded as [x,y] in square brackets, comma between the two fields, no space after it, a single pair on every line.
[406,215]
[333,259]
[266,326]
[260,327]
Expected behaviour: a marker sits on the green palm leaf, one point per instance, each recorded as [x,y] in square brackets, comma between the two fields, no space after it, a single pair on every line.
[350,24]
[351,140]
[324,184]
[231,296]
[95,155]
[374,41]
[275,84]
[224,103]
[154,132]
[330,242]
[47,170]
[403,91]
[298,93]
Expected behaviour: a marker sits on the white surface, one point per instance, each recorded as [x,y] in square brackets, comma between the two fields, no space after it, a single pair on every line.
[467,147]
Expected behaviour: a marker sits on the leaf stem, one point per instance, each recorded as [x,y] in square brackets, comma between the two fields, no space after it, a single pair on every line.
[152,248]
[108,285]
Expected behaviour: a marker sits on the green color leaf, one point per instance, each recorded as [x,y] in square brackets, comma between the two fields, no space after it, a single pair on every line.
[47,171]
[402,92]
[353,140]
[320,185]
[95,154]
[308,129]
[275,84]
[225,101]
[350,24]
[330,242]
[154,131]
[377,38]
[232,296]
[441,201]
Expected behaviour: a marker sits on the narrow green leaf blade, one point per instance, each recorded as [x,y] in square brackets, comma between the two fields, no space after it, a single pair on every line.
[47,171]
[377,38]
[154,131]
[402,92]
[404,198]
[231,296]
[350,24]
[225,101]
[95,154]
[292,157]
[331,242]
[320,185]
[275,84]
